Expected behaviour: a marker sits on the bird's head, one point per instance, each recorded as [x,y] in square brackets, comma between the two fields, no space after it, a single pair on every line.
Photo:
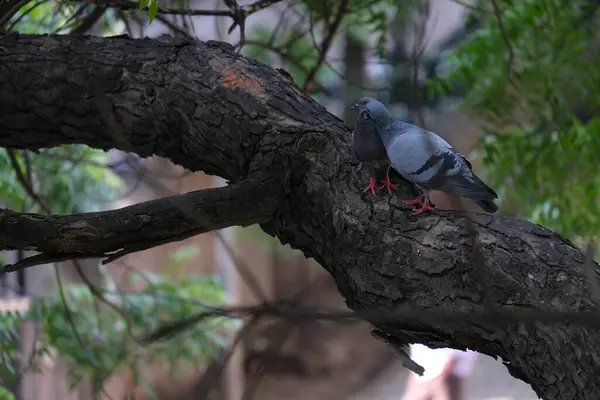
[372,108]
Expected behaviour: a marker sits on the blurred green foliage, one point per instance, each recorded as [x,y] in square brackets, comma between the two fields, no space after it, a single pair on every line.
[68,179]
[297,48]
[97,337]
[531,65]
[55,16]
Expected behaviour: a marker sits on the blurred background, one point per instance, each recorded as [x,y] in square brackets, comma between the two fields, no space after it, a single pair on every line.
[510,83]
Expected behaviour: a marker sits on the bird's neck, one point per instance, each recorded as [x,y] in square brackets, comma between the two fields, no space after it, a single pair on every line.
[384,127]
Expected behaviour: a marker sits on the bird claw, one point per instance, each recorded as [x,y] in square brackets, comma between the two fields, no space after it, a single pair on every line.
[425,207]
[372,186]
[387,184]
[417,201]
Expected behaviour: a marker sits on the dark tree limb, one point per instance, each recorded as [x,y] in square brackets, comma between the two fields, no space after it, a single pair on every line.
[113,234]
[289,161]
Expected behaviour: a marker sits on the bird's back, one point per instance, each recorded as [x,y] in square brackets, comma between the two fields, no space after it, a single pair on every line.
[412,152]
[366,142]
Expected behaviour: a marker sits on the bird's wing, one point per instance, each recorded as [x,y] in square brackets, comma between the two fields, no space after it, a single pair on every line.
[428,160]
[456,175]
[463,157]
[422,156]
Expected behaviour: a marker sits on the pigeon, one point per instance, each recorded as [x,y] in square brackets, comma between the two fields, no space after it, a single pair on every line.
[427,160]
[369,149]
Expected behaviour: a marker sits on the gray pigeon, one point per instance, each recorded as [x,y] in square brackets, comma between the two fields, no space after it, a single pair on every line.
[369,149]
[427,160]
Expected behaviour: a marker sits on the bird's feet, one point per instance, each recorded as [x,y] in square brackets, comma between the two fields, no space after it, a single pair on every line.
[416,202]
[387,185]
[372,186]
[425,207]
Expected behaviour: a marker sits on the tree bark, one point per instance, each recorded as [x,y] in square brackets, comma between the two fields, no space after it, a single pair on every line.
[290,167]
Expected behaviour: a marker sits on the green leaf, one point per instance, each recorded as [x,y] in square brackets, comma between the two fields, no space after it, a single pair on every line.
[152,10]
[143,4]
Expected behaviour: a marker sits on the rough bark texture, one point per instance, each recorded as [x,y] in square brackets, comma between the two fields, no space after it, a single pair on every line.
[200,106]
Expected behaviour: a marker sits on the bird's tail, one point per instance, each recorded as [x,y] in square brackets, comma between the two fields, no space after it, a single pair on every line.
[487,205]
[487,202]
[485,187]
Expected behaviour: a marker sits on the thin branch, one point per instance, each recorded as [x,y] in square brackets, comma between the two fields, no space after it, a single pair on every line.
[332,31]
[173,26]
[90,20]
[258,6]
[498,317]
[243,269]
[131,5]
[399,351]
[215,369]
[511,53]
[72,19]
[24,14]
[24,182]
[8,9]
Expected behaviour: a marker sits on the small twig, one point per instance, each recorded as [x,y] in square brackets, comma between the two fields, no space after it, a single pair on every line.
[90,20]
[9,8]
[361,87]
[327,41]
[215,369]
[131,5]
[23,180]
[174,27]
[280,24]
[275,345]
[73,18]
[511,54]
[46,258]
[397,346]
[242,269]
[259,5]
[99,293]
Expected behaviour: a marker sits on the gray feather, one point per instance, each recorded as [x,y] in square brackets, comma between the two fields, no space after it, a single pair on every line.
[426,159]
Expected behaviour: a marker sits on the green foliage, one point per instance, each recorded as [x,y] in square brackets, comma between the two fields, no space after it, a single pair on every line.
[524,77]
[298,49]
[68,179]
[52,16]
[96,339]
[152,8]
[364,16]
[6,395]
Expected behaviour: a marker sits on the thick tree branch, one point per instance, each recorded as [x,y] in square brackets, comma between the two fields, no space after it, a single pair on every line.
[206,108]
[115,233]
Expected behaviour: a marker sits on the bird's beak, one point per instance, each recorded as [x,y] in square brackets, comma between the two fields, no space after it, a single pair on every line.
[354,107]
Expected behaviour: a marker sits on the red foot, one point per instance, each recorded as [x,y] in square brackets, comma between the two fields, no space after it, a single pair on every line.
[372,186]
[387,185]
[425,207]
[417,201]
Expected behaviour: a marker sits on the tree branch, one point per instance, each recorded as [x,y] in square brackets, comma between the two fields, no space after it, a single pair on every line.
[291,168]
[115,233]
